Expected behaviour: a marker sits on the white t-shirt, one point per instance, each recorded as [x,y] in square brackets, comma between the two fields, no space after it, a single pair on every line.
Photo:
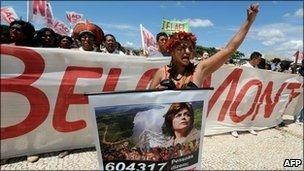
[248,65]
[104,50]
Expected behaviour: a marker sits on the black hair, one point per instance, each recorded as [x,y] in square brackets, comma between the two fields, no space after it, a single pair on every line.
[161,34]
[42,31]
[262,64]
[110,35]
[276,60]
[5,35]
[255,55]
[27,28]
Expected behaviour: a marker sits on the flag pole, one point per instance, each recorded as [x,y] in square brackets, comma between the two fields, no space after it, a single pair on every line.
[296,62]
[28,10]
[142,37]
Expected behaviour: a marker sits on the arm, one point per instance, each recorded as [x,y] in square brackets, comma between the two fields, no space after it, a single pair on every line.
[211,64]
[156,78]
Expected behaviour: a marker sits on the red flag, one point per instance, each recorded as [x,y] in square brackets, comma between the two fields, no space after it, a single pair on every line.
[8,15]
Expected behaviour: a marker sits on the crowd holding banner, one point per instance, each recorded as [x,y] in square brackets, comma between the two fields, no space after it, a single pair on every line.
[44,108]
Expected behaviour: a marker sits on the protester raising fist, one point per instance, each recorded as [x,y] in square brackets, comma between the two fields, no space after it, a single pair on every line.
[181,73]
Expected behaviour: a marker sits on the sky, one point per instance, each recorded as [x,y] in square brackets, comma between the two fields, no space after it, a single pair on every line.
[277,31]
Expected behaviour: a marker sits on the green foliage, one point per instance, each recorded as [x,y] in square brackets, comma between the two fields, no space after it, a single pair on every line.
[119,127]
[211,50]
[197,118]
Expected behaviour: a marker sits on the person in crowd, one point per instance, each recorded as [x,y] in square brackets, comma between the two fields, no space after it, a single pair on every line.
[178,124]
[300,117]
[121,48]
[22,33]
[205,55]
[90,36]
[46,37]
[5,34]
[161,39]
[275,64]
[65,42]
[143,52]
[267,66]
[284,67]
[255,59]
[262,64]
[111,46]
[181,73]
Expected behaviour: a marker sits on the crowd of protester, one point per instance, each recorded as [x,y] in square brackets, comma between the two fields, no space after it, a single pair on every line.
[90,37]
[85,37]
[112,152]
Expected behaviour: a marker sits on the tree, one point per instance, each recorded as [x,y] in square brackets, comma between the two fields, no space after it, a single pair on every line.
[236,56]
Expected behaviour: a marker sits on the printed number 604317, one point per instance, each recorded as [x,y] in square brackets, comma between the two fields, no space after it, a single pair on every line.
[134,166]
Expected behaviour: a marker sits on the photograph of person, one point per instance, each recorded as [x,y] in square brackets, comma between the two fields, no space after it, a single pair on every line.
[178,124]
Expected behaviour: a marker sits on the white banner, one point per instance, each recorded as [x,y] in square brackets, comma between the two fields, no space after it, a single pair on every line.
[8,15]
[43,107]
[74,17]
[148,41]
[143,130]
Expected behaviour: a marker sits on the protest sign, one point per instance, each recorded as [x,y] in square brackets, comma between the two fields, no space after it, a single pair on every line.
[149,130]
[40,11]
[74,17]
[148,41]
[8,15]
[172,26]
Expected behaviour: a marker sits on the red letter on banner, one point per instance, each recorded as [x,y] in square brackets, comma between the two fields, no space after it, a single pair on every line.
[67,97]
[234,117]
[269,104]
[39,104]
[293,94]
[145,79]
[233,79]
[112,79]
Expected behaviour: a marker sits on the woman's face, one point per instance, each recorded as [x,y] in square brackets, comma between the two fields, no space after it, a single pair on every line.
[110,44]
[181,120]
[16,33]
[65,43]
[47,39]
[183,53]
[87,41]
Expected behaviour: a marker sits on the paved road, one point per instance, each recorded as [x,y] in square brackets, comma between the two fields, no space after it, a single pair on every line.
[266,151]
